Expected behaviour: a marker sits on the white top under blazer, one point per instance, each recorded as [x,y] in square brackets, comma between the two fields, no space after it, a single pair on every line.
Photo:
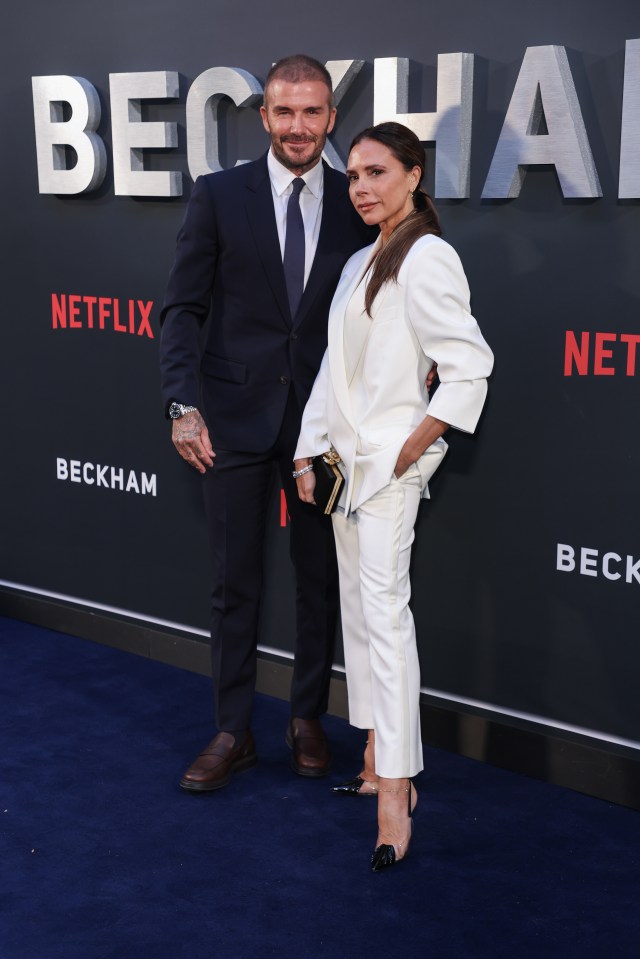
[370,392]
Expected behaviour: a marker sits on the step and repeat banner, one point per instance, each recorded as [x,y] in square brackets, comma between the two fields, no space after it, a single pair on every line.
[526,568]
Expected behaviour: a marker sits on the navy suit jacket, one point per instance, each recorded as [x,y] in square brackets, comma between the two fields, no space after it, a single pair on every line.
[228,271]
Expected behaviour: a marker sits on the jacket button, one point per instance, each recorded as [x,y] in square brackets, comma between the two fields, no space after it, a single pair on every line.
[294,336]
[284,380]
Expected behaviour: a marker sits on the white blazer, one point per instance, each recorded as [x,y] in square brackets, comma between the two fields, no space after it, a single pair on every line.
[422,319]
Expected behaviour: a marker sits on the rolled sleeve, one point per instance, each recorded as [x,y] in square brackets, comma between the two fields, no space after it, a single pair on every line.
[440,314]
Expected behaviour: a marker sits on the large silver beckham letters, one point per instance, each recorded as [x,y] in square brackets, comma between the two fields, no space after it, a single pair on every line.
[131,135]
[544,90]
[449,127]
[343,73]
[242,88]
[203,101]
[54,134]
[629,186]
[67,114]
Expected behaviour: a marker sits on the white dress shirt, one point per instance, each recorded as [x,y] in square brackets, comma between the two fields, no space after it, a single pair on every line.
[310,205]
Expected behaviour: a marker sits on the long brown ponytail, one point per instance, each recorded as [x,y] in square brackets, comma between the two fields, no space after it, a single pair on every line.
[407,149]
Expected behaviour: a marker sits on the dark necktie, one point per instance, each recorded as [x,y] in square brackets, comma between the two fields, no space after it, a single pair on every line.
[293,261]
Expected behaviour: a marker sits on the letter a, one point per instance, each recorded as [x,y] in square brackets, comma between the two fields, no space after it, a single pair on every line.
[545,91]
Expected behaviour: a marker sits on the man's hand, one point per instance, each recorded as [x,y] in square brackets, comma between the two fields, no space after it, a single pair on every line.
[191,439]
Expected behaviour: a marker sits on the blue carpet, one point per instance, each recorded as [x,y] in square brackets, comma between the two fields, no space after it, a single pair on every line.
[102,856]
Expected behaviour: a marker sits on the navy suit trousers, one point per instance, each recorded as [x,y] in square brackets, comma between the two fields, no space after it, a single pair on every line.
[237,493]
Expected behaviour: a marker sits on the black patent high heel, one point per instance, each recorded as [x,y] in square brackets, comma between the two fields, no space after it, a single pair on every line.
[384,855]
[353,787]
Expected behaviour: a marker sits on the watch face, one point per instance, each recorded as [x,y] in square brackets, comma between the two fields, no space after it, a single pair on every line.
[175,411]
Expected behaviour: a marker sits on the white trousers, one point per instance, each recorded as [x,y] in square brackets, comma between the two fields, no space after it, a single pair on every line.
[381,657]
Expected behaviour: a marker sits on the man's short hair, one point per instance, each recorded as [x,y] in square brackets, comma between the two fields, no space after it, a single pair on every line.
[297,69]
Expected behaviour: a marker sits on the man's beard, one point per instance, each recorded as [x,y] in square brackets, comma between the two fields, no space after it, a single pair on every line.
[305,160]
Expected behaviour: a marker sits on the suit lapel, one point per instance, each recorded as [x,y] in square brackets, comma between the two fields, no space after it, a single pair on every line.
[344,292]
[262,221]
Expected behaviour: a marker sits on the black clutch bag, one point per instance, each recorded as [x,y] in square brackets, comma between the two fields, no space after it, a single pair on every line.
[329,481]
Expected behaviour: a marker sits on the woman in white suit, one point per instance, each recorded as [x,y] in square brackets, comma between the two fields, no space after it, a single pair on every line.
[401,306]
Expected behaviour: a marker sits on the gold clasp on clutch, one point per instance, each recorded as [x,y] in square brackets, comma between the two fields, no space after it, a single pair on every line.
[331,457]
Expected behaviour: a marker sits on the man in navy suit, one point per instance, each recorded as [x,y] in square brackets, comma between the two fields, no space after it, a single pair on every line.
[237,394]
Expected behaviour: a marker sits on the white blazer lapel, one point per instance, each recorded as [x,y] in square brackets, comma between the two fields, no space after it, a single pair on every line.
[353,273]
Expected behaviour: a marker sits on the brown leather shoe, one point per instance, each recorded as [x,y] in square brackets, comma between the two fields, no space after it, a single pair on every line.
[216,764]
[311,755]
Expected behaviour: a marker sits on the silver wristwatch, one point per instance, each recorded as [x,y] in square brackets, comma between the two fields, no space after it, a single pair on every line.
[176,410]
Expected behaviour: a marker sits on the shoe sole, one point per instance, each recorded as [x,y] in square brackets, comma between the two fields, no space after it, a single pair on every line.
[310,773]
[304,770]
[194,787]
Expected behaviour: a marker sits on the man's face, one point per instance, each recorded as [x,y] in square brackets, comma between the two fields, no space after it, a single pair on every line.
[298,117]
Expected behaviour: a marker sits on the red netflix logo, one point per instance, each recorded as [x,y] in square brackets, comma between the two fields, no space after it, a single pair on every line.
[600,354]
[75,312]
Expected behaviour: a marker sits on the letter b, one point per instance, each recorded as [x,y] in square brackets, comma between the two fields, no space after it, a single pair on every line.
[54,134]
[566,558]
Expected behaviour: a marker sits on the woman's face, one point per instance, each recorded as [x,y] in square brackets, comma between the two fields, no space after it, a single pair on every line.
[379,186]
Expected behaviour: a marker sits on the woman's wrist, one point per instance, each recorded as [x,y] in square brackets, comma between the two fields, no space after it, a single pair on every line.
[302,466]
[411,451]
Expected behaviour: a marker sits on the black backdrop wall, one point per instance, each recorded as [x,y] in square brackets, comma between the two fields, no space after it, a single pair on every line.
[527,560]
